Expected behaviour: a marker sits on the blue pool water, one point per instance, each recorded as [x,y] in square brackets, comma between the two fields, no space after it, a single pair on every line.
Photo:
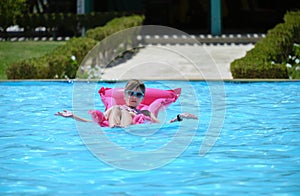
[256,153]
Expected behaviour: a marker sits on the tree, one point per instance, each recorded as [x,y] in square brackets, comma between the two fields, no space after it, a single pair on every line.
[9,11]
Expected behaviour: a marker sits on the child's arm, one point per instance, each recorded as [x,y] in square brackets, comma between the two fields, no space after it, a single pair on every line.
[180,117]
[68,114]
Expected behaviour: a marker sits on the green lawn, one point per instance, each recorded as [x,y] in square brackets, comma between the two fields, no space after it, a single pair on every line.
[11,52]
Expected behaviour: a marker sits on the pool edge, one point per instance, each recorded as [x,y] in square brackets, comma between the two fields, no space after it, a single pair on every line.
[147,79]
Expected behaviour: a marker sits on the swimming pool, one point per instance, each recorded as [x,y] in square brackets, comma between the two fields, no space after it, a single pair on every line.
[256,153]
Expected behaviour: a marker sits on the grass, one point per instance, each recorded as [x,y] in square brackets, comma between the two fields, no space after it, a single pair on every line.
[11,52]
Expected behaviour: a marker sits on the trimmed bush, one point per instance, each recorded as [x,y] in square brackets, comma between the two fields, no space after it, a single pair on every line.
[241,68]
[293,64]
[64,61]
[269,56]
[114,26]
[61,63]
[96,19]
[22,70]
[291,20]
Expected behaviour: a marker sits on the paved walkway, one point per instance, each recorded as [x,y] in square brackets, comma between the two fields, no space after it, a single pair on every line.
[179,62]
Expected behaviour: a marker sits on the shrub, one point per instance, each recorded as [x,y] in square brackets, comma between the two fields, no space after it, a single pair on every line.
[241,68]
[269,56]
[292,21]
[22,70]
[96,19]
[61,63]
[65,60]
[293,63]
[114,26]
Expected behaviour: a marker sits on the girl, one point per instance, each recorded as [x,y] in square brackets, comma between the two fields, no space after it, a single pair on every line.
[128,114]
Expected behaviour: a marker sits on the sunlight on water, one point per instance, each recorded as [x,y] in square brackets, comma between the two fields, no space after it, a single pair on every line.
[256,153]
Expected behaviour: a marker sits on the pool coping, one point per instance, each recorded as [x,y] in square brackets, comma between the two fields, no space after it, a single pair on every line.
[175,79]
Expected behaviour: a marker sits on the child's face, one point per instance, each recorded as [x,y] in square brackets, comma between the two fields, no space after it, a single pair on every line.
[133,97]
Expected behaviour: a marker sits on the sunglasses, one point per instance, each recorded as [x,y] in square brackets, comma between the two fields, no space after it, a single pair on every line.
[134,93]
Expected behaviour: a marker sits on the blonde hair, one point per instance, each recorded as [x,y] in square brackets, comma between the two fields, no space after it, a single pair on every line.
[133,84]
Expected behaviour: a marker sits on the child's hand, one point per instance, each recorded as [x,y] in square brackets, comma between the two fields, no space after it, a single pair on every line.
[65,113]
[180,117]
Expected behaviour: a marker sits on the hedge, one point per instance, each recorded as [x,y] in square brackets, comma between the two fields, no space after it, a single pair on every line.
[269,57]
[114,26]
[64,61]
[61,63]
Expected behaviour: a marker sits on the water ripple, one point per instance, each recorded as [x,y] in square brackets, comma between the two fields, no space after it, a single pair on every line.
[256,153]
